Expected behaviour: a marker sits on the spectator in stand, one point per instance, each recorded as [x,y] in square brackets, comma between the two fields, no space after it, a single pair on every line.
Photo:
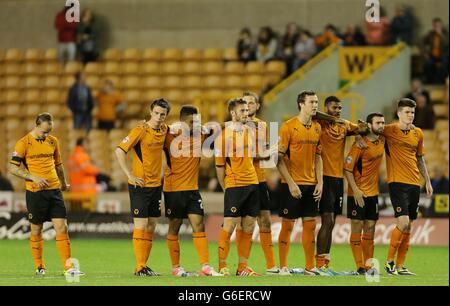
[82,173]
[67,36]
[110,103]
[287,53]
[353,36]
[87,37]
[418,90]
[439,181]
[424,117]
[246,46]
[81,103]
[435,51]
[329,36]
[266,48]
[5,184]
[402,26]
[304,49]
[378,33]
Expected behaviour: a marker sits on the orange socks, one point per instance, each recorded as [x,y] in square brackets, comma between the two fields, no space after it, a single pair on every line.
[201,245]
[355,243]
[284,241]
[140,246]
[37,249]
[309,242]
[147,242]
[63,246]
[367,245]
[224,248]
[403,250]
[174,249]
[396,238]
[265,238]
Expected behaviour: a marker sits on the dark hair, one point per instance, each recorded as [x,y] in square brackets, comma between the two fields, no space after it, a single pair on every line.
[161,103]
[44,117]
[80,141]
[246,31]
[373,115]
[235,102]
[78,76]
[251,94]
[437,19]
[332,99]
[302,96]
[405,102]
[188,110]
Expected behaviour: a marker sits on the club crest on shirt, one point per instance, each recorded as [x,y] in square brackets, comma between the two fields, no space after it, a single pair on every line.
[316,130]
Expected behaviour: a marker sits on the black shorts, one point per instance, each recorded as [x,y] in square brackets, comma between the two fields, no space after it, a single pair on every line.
[292,208]
[145,202]
[405,199]
[106,125]
[368,212]
[332,195]
[242,201]
[264,198]
[180,204]
[45,205]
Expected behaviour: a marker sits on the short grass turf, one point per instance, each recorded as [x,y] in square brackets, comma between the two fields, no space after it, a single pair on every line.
[111,263]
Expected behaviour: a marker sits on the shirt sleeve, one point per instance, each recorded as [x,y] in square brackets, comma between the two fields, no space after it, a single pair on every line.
[132,139]
[219,149]
[18,156]
[57,154]
[284,139]
[421,146]
[352,158]
[352,128]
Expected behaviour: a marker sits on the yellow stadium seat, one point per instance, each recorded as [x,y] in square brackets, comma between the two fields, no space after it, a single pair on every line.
[441,125]
[234,81]
[272,79]
[170,67]
[13,55]
[213,81]
[112,68]
[31,82]
[441,110]
[34,55]
[32,96]
[232,93]
[254,67]
[12,96]
[213,68]
[132,96]
[254,82]
[31,68]
[193,94]
[51,55]
[191,67]
[52,68]
[151,82]
[151,68]
[54,96]
[174,96]
[115,79]
[32,109]
[171,54]
[93,68]
[132,54]
[72,68]
[67,81]
[192,81]
[151,94]
[112,54]
[14,110]
[12,82]
[93,81]
[130,82]
[151,54]
[230,54]
[130,68]
[275,67]
[192,54]
[171,81]
[133,110]
[12,69]
[51,82]
[234,68]
[212,54]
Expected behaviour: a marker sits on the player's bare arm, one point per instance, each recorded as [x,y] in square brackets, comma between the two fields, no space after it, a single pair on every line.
[23,174]
[293,187]
[319,175]
[424,172]
[62,178]
[357,193]
[121,158]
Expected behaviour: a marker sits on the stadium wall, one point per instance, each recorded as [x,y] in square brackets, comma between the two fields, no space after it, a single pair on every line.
[193,23]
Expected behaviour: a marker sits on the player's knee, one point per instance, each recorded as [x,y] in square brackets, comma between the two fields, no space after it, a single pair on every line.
[264,223]
[198,226]
[357,226]
[403,224]
[36,230]
[60,229]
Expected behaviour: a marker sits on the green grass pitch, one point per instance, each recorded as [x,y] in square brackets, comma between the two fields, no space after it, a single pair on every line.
[111,262]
